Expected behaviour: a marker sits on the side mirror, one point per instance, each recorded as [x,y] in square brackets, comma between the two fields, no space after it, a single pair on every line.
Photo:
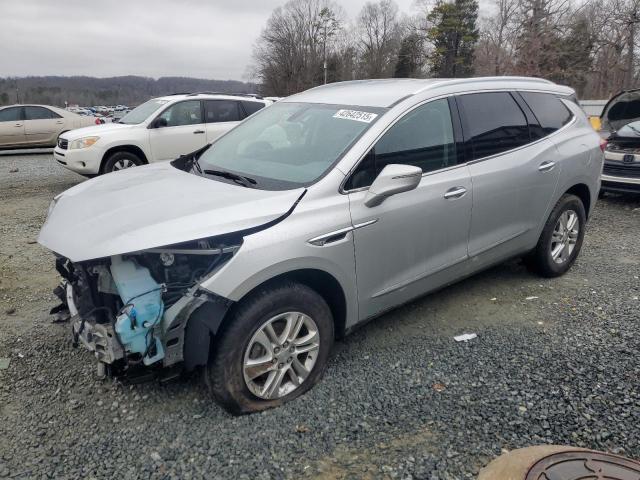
[393,179]
[160,122]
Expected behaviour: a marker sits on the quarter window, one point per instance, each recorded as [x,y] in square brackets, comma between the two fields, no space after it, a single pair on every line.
[10,114]
[221,111]
[39,113]
[183,113]
[252,107]
[493,123]
[549,110]
[422,138]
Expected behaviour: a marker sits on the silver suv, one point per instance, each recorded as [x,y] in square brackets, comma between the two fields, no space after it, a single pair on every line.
[251,255]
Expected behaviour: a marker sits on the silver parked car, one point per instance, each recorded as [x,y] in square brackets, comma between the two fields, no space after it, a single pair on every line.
[249,256]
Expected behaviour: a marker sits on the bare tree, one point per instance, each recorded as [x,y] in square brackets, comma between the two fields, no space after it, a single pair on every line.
[289,55]
[379,39]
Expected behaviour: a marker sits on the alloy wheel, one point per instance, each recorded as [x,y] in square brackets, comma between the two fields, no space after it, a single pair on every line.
[281,355]
[122,164]
[565,236]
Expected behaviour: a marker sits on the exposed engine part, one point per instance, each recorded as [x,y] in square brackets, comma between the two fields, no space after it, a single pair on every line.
[138,309]
[143,308]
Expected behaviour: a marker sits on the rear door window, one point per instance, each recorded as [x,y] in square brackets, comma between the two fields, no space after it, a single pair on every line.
[492,123]
[548,109]
[39,113]
[222,111]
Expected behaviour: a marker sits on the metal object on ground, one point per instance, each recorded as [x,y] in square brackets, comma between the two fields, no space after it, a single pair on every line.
[577,465]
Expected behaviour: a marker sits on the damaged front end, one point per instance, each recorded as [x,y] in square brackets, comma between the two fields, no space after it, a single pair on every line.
[135,309]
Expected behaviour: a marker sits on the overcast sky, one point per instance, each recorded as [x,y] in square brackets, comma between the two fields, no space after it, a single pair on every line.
[193,38]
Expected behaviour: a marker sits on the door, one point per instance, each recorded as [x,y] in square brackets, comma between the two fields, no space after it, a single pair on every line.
[221,116]
[514,174]
[11,127]
[414,241]
[42,126]
[183,132]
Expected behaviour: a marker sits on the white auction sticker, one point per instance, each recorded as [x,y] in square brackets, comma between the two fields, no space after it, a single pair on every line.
[356,115]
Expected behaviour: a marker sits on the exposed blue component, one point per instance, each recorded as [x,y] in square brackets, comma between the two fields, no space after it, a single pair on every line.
[143,295]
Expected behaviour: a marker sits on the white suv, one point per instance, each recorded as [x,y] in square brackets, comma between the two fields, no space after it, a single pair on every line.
[161,129]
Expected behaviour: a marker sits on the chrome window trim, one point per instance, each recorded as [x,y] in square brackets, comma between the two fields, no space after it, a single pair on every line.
[469,162]
[491,157]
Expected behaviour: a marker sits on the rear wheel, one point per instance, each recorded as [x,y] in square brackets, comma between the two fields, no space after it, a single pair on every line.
[274,349]
[561,239]
[120,161]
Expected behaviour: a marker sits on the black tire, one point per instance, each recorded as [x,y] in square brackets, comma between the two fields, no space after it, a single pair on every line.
[112,161]
[224,374]
[540,260]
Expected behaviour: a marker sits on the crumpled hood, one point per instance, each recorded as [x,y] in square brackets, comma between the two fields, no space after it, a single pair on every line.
[95,130]
[153,206]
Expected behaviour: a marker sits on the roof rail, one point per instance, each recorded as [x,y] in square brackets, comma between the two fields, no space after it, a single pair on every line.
[450,81]
[253,95]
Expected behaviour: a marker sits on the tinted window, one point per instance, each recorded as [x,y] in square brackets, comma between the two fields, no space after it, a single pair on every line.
[10,114]
[493,123]
[39,113]
[221,111]
[183,113]
[252,107]
[548,109]
[422,138]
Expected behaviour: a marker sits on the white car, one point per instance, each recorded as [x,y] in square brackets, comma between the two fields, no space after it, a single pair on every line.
[161,129]
[37,125]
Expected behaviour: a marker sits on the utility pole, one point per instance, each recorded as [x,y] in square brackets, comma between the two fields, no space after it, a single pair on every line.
[324,53]
[630,54]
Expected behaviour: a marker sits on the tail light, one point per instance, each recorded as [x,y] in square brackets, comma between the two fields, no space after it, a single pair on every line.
[603,144]
[98,122]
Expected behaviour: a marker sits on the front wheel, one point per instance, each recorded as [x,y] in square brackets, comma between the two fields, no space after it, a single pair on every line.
[275,348]
[561,239]
[119,161]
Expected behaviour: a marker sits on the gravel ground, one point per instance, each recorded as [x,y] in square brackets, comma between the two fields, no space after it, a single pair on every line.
[400,398]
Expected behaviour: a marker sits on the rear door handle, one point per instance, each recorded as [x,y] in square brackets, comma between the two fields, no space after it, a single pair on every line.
[198,131]
[18,125]
[455,192]
[546,166]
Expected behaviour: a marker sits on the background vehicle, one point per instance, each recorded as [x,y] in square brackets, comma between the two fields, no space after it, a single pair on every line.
[243,257]
[621,171]
[37,125]
[161,129]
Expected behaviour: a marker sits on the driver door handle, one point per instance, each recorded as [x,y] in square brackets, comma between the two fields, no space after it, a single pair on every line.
[546,166]
[455,192]
[198,131]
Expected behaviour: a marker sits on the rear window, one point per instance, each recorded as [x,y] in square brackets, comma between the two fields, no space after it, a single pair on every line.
[548,109]
[493,123]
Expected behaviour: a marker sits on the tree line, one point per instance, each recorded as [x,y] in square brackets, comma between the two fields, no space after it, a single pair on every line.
[89,91]
[586,44]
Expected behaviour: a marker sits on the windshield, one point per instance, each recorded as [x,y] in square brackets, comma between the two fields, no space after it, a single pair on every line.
[142,112]
[288,145]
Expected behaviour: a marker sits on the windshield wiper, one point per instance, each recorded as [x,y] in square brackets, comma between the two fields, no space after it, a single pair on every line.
[240,179]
